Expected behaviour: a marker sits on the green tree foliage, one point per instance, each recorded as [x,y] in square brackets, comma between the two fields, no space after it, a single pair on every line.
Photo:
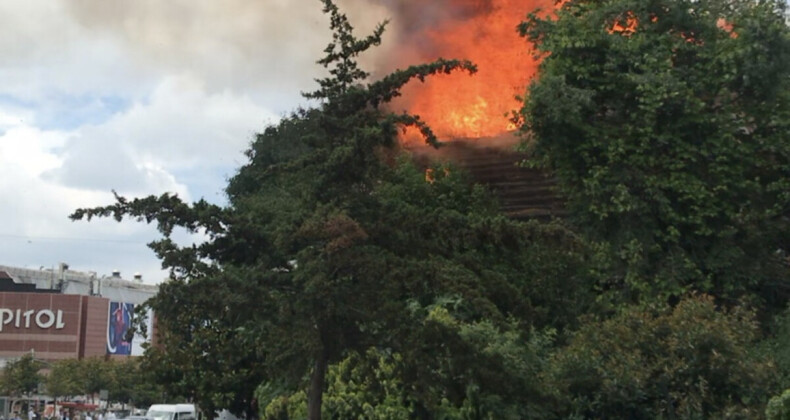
[21,377]
[124,379]
[690,361]
[777,344]
[481,372]
[94,374]
[334,244]
[478,368]
[667,123]
[778,407]
[123,376]
[130,383]
[427,244]
[206,352]
[302,266]
[357,387]
[62,380]
[472,282]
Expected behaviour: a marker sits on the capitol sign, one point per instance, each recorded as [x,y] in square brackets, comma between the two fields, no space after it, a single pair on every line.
[43,318]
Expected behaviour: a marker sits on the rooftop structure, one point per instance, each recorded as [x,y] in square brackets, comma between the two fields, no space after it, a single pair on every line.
[523,193]
[72,282]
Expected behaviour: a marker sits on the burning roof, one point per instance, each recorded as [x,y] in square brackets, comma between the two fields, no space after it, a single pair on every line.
[493,161]
[483,31]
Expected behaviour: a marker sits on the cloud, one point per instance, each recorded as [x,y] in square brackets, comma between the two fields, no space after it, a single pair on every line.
[182,139]
[36,230]
[42,53]
[180,129]
[13,116]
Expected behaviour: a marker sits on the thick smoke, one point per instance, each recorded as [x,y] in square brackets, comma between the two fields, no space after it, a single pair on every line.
[268,46]
[416,17]
[271,45]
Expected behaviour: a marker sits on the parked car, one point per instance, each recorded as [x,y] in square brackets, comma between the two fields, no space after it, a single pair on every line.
[172,412]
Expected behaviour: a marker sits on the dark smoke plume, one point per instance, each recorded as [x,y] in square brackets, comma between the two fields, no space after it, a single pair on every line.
[416,16]
[414,21]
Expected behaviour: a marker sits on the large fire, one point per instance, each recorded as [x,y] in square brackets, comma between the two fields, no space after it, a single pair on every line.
[483,31]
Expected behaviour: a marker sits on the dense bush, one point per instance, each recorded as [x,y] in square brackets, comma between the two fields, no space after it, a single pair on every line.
[779,407]
[690,361]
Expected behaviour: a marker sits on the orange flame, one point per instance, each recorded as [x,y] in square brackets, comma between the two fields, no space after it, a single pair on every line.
[626,25]
[463,106]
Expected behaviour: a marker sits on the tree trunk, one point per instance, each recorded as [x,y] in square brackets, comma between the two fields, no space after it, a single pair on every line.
[316,392]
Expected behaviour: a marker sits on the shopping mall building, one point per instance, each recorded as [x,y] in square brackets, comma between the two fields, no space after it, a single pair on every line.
[60,314]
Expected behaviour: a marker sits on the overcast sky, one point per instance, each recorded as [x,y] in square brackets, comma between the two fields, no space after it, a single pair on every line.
[142,97]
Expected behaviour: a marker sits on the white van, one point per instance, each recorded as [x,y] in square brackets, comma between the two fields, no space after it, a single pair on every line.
[225,415]
[172,412]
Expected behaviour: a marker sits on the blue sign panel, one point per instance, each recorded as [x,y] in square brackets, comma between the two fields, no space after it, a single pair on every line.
[119,319]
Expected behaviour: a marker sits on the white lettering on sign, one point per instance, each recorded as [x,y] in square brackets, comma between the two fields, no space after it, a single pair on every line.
[6,316]
[27,318]
[50,319]
[44,318]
